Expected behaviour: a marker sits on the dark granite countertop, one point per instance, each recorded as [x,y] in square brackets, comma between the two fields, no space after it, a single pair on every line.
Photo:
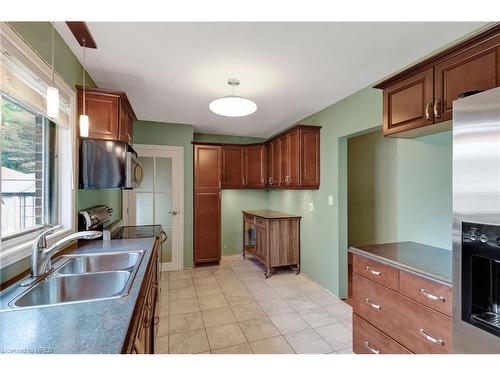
[269,214]
[429,261]
[85,327]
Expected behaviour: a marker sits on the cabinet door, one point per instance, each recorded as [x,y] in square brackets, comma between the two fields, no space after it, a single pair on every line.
[207,164]
[284,160]
[408,103]
[310,158]
[269,163]
[261,243]
[475,69]
[126,124]
[102,111]
[207,222]
[292,178]
[233,167]
[255,166]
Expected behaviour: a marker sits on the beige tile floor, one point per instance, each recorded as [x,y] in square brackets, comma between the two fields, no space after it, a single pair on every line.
[232,308]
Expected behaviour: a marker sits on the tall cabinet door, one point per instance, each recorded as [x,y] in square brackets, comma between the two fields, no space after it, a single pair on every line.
[255,166]
[233,176]
[293,147]
[475,69]
[408,103]
[284,160]
[207,204]
[310,158]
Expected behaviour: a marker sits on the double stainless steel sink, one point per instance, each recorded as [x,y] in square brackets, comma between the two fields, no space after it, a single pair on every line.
[78,278]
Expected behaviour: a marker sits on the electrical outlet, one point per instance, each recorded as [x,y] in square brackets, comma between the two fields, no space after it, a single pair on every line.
[311,207]
[330,200]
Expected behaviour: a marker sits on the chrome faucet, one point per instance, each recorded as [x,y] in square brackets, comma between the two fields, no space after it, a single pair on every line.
[41,255]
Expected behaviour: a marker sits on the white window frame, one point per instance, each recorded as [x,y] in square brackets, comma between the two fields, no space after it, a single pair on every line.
[18,248]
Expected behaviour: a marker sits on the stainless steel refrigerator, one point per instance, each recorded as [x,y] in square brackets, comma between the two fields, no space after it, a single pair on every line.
[476,223]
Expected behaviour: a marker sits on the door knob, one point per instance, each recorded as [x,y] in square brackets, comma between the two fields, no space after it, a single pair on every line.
[173,212]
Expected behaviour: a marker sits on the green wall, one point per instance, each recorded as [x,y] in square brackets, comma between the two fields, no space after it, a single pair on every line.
[400,189]
[372,189]
[39,36]
[324,231]
[160,133]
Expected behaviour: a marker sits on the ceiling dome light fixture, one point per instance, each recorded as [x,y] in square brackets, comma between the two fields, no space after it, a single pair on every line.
[232,105]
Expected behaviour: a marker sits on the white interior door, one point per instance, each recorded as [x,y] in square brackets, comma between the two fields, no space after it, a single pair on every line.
[159,199]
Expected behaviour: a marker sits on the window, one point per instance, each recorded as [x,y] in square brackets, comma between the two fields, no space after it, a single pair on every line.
[37,154]
[28,190]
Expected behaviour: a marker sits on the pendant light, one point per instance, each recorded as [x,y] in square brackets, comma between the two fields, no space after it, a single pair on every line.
[232,105]
[84,119]
[52,91]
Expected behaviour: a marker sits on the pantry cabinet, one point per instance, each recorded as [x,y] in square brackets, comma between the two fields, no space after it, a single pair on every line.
[111,116]
[419,100]
[207,203]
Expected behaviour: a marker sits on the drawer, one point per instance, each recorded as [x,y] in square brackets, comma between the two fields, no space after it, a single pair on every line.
[430,293]
[260,221]
[415,326]
[369,340]
[382,274]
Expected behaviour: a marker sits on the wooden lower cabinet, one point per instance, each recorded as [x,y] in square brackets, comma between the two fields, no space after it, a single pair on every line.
[144,325]
[273,238]
[402,317]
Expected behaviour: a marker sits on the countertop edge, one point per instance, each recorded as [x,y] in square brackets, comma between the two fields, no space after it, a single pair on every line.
[402,266]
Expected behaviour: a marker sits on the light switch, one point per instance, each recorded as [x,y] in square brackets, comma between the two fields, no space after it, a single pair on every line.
[311,207]
[330,200]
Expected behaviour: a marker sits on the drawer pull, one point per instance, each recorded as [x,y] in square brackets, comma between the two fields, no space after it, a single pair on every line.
[374,351]
[432,296]
[430,338]
[373,272]
[377,307]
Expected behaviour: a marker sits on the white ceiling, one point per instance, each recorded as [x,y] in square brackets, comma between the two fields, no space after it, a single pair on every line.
[171,71]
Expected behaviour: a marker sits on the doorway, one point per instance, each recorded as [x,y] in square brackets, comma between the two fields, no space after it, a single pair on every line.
[159,199]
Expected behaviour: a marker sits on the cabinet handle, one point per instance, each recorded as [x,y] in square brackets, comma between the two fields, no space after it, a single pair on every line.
[373,272]
[376,307]
[437,108]
[147,319]
[270,180]
[432,296]
[220,184]
[428,111]
[430,338]
[374,351]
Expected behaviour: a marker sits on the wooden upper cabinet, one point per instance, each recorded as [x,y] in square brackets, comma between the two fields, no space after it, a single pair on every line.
[408,103]
[292,178]
[475,69]
[255,166]
[419,100]
[126,123]
[207,164]
[233,175]
[276,163]
[284,160]
[310,158]
[110,114]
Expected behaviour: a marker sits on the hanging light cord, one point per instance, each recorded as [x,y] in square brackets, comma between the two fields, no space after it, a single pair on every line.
[53,84]
[83,77]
